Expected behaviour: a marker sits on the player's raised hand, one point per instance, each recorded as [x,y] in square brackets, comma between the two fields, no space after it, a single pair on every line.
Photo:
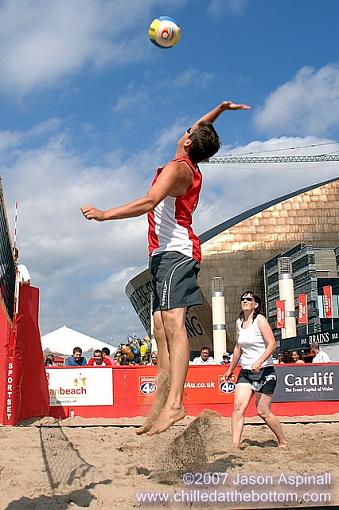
[228,105]
[92,213]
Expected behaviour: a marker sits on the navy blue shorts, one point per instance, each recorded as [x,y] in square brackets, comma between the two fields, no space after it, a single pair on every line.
[263,381]
[175,283]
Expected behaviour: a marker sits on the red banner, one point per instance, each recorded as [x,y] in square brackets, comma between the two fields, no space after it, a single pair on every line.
[13,379]
[202,384]
[302,309]
[280,314]
[327,290]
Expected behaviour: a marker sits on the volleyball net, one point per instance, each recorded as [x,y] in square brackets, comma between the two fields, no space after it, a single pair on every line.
[7,266]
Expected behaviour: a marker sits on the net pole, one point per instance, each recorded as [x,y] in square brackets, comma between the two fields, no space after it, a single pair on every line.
[17,284]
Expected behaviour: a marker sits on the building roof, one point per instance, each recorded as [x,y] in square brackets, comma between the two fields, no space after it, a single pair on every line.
[214,231]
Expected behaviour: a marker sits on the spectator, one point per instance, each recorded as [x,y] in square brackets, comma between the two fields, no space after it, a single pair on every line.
[106,353]
[134,344]
[49,360]
[225,359]
[284,358]
[204,358]
[99,360]
[23,273]
[154,359]
[296,357]
[145,349]
[124,355]
[320,356]
[77,359]
[123,359]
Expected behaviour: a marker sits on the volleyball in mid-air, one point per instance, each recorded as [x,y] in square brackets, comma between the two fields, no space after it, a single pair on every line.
[164,32]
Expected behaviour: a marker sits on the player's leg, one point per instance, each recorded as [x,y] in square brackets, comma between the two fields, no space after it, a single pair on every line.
[179,352]
[163,374]
[163,362]
[242,396]
[263,403]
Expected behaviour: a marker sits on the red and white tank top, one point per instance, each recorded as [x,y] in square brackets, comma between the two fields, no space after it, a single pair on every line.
[170,223]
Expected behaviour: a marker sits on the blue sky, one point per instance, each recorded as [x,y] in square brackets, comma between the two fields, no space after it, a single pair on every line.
[89,109]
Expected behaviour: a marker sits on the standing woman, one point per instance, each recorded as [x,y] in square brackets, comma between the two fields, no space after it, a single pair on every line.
[254,347]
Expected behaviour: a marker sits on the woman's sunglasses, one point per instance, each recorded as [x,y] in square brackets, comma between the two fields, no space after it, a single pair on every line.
[188,130]
[247,299]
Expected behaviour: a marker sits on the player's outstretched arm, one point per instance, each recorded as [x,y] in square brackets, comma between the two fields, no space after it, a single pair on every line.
[218,110]
[174,180]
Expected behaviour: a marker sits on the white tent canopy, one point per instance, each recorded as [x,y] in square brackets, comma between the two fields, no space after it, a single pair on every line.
[63,341]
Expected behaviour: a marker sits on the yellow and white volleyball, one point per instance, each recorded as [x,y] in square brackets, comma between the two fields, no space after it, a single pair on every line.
[164,32]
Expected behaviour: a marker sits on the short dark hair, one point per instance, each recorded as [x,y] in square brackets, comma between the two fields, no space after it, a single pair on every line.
[205,142]
[105,350]
[77,349]
[205,348]
[97,351]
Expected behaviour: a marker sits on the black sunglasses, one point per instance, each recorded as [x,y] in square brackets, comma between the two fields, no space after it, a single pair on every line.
[247,299]
[188,130]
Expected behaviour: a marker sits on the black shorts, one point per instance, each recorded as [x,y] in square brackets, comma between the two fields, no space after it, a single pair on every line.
[263,381]
[175,283]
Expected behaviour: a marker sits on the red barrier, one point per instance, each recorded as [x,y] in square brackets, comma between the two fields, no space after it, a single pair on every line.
[34,388]
[24,390]
[23,383]
[134,391]
[5,331]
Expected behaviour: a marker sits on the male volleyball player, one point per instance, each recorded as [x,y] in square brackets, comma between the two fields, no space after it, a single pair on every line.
[175,255]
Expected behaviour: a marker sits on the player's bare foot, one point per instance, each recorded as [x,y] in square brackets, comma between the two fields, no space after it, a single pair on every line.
[235,446]
[163,385]
[166,419]
[283,444]
[145,428]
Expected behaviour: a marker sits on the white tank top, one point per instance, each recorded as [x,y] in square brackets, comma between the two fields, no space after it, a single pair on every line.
[252,346]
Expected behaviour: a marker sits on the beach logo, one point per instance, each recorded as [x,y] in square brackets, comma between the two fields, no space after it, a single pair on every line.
[227,386]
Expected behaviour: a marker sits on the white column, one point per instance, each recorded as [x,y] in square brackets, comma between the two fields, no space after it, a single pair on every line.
[218,318]
[286,293]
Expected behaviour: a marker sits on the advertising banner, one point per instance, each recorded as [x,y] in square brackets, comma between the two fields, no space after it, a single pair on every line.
[280,314]
[302,309]
[307,382]
[327,289]
[304,342]
[203,384]
[79,386]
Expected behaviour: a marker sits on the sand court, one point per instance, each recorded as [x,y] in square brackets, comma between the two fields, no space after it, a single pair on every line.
[93,463]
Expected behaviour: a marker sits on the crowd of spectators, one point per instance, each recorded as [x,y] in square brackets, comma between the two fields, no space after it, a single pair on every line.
[298,356]
[136,351]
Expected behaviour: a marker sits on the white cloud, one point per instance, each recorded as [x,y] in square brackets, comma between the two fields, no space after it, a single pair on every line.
[111,286]
[66,254]
[42,41]
[306,105]
[82,267]
[133,98]
[236,7]
[8,139]
[141,97]
[192,76]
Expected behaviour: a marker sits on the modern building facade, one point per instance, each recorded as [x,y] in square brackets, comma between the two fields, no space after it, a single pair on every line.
[312,270]
[238,249]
